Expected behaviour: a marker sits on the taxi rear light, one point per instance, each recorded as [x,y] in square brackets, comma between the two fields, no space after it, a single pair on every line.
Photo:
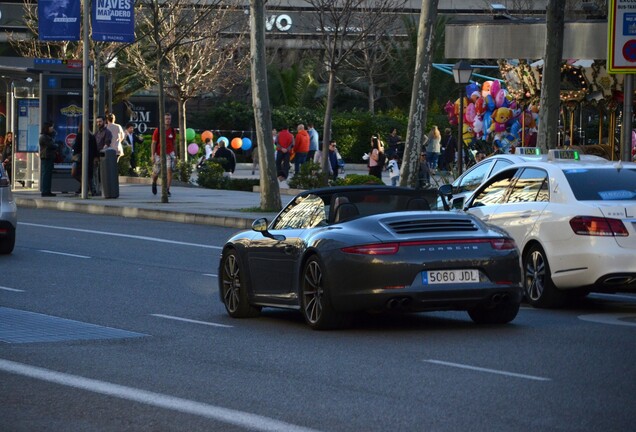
[598,226]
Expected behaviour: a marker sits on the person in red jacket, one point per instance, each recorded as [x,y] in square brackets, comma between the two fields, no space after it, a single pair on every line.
[301,147]
[284,145]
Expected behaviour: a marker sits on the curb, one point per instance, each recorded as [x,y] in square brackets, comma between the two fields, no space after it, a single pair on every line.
[140,213]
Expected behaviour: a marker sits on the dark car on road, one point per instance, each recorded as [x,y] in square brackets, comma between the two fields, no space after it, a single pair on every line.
[334,251]
[8,214]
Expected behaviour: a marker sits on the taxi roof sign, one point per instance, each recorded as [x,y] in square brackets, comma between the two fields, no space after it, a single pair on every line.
[563,155]
[528,151]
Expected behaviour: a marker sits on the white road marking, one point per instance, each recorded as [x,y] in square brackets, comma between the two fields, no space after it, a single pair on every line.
[191,320]
[65,254]
[495,371]
[11,289]
[230,416]
[136,237]
[210,275]
[611,318]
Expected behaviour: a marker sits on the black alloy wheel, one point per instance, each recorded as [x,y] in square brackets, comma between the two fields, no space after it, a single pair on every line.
[315,303]
[539,289]
[234,288]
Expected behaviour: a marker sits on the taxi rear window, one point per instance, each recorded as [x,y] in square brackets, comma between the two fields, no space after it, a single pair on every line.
[602,184]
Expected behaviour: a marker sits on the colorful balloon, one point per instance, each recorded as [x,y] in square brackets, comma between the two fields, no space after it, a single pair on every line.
[190,134]
[223,140]
[494,88]
[193,148]
[247,143]
[485,88]
[207,134]
[237,143]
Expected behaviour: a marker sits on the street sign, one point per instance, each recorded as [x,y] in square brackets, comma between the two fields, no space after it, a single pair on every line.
[621,47]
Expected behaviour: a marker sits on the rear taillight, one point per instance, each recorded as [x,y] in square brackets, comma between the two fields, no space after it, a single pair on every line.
[392,248]
[373,249]
[503,244]
[598,226]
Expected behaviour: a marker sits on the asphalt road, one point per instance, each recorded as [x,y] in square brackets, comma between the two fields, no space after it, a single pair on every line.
[186,366]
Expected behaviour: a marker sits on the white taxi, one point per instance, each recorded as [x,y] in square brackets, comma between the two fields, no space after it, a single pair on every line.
[465,185]
[574,221]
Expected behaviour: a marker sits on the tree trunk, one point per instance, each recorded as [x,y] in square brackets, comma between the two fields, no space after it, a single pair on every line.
[551,82]
[326,128]
[183,144]
[270,192]
[162,130]
[371,93]
[419,95]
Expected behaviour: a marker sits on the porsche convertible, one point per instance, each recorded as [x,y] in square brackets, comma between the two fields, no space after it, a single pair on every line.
[335,251]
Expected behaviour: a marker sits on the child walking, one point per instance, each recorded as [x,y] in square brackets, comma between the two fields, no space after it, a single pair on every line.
[394,170]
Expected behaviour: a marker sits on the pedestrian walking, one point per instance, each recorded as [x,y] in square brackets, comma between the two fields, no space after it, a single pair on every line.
[423,173]
[376,157]
[284,145]
[155,154]
[301,147]
[314,142]
[434,147]
[394,169]
[7,154]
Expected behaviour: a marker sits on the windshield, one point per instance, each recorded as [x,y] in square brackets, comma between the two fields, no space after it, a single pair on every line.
[602,184]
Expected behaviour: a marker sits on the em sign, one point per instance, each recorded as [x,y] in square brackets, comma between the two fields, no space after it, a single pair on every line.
[621,49]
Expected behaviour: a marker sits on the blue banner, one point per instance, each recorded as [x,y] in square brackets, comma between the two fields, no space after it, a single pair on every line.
[59,20]
[113,21]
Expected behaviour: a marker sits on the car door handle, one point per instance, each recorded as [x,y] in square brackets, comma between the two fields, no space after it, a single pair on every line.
[526,214]
[289,250]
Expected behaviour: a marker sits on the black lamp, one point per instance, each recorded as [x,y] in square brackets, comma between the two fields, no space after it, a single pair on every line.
[462,72]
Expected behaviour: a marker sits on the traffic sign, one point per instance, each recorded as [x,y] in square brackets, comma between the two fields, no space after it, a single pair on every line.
[621,46]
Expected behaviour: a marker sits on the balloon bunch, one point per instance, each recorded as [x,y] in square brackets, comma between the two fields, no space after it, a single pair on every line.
[491,116]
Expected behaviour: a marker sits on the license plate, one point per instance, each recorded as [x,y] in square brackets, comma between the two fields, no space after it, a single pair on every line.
[450,277]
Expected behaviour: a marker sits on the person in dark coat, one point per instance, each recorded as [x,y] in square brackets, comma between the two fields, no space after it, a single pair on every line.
[78,148]
[48,151]
[228,155]
[449,144]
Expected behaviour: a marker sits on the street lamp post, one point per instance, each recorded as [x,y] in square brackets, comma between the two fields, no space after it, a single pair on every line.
[461,73]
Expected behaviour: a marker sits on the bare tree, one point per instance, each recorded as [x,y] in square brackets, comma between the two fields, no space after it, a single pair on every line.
[344,27]
[419,94]
[270,192]
[370,63]
[551,82]
[162,28]
[204,62]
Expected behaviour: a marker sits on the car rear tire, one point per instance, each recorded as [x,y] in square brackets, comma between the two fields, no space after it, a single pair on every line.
[234,288]
[500,313]
[7,243]
[539,289]
[315,303]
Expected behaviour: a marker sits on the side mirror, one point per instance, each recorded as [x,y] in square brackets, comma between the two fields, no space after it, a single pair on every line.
[260,225]
[446,190]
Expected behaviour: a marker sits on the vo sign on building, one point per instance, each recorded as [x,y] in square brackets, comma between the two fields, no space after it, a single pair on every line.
[282,23]
[621,51]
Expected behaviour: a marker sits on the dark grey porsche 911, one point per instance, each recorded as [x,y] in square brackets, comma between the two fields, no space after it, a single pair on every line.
[334,251]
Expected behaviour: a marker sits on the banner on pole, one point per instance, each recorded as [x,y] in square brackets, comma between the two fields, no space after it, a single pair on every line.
[113,21]
[59,20]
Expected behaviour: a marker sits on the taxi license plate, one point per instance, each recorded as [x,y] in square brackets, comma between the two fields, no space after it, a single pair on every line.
[450,277]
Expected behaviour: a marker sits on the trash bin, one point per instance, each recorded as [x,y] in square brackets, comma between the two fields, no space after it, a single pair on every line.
[108,173]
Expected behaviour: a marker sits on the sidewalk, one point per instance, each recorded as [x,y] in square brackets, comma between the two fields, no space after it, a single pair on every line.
[188,204]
